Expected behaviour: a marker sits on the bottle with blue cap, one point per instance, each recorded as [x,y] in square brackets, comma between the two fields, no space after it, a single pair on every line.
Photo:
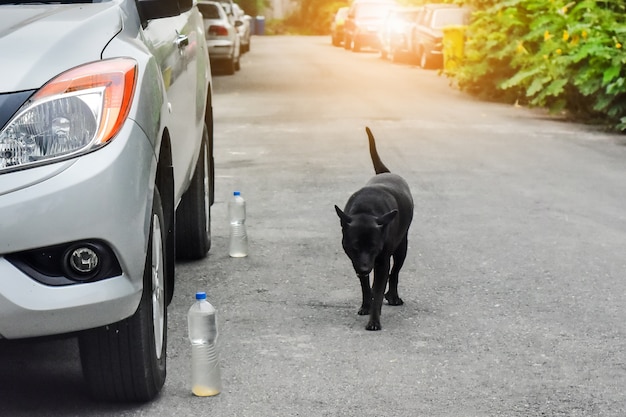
[206,379]
[238,246]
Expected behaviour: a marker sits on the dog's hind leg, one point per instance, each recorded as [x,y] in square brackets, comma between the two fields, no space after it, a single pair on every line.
[398,260]
[367,295]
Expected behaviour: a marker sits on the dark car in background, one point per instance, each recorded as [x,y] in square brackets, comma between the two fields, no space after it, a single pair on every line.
[363,22]
[337,24]
[395,32]
[427,36]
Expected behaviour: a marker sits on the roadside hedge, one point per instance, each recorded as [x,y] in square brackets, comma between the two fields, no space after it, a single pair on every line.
[559,54]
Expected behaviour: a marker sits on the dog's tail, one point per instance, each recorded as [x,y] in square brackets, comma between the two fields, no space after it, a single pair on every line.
[379,167]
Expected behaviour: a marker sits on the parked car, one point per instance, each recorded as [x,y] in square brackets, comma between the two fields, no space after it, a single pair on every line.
[106,172]
[245,29]
[336,26]
[228,7]
[427,36]
[395,33]
[221,36]
[362,24]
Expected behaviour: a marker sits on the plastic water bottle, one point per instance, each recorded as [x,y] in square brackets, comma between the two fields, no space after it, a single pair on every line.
[206,379]
[238,237]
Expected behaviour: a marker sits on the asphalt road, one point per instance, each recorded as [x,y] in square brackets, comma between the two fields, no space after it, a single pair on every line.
[513,286]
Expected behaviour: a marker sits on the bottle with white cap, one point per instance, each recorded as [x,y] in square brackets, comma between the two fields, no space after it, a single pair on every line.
[206,377]
[238,246]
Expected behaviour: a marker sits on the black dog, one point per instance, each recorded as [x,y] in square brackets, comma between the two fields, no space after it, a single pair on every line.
[375,224]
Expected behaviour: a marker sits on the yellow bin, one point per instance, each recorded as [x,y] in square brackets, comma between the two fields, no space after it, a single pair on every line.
[453,43]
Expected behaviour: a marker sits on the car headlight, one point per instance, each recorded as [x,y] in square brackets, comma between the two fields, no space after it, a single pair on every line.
[76,112]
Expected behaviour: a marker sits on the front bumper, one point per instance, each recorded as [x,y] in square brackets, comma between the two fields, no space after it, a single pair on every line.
[104,195]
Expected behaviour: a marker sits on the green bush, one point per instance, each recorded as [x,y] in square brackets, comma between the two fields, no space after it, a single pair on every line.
[549,53]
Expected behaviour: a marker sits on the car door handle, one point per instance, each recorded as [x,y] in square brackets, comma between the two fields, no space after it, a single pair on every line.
[182,41]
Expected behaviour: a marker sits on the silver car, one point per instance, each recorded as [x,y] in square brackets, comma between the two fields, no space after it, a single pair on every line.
[106,172]
[221,35]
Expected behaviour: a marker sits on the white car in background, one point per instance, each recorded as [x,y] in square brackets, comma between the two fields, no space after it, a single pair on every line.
[245,29]
[222,36]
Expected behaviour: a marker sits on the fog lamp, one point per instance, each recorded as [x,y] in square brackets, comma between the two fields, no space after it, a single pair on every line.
[83,260]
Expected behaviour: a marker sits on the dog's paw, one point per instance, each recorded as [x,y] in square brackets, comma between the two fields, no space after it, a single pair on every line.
[364,311]
[394,300]
[373,325]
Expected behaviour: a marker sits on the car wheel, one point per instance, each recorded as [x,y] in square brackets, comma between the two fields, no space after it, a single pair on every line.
[356,45]
[230,66]
[126,361]
[347,42]
[425,60]
[335,40]
[193,217]
[396,56]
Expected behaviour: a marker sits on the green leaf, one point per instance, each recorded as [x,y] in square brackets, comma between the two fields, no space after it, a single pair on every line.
[536,86]
[520,77]
[610,74]
[556,87]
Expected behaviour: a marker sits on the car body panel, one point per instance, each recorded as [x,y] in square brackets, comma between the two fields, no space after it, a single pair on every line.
[183,73]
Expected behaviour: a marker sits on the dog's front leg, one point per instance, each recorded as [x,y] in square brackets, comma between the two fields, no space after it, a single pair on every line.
[381,275]
[367,295]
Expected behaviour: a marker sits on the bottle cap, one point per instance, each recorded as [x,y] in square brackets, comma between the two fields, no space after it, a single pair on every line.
[237,193]
[200,295]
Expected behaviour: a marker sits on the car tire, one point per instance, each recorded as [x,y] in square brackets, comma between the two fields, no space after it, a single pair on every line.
[347,42]
[356,45]
[396,56]
[126,361]
[230,66]
[426,60]
[193,216]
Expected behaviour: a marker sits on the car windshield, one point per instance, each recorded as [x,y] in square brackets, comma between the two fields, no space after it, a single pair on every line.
[209,11]
[367,10]
[443,18]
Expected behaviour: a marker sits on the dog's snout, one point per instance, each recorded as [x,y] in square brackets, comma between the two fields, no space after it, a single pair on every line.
[363,268]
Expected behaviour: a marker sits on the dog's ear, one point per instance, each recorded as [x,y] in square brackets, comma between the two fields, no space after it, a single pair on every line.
[385,219]
[345,219]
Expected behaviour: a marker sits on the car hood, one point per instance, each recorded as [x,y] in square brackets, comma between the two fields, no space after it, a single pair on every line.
[40,41]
